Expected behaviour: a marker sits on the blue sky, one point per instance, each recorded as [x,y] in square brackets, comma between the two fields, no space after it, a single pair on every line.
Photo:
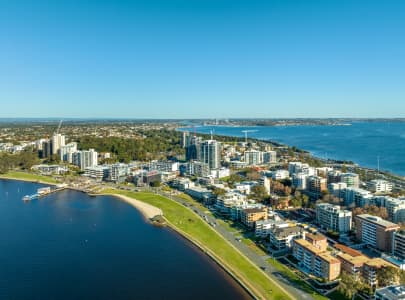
[212,59]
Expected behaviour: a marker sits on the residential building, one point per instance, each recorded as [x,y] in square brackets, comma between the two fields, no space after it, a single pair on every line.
[202,194]
[375,231]
[118,172]
[398,247]
[253,157]
[269,157]
[316,185]
[66,152]
[264,227]
[379,186]
[357,197]
[352,264]
[280,174]
[370,270]
[299,181]
[98,173]
[197,168]
[224,203]
[393,292]
[210,153]
[164,166]
[85,159]
[317,240]
[265,182]
[281,238]
[351,179]
[315,261]
[395,209]
[58,141]
[193,148]
[250,215]
[337,189]
[332,217]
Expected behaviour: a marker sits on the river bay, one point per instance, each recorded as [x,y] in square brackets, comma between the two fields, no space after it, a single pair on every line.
[364,143]
[72,246]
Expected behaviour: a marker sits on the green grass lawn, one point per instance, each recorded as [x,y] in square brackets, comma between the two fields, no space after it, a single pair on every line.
[191,224]
[29,176]
[296,279]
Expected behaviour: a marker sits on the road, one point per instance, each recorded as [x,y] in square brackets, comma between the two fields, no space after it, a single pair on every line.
[260,261]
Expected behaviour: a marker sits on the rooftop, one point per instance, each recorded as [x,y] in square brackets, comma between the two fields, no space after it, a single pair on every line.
[287,231]
[315,237]
[307,245]
[354,260]
[329,258]
[377,220]
[348,250]
[378,263]
[392,292]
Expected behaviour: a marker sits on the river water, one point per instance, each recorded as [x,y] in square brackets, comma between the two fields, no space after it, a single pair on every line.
[72,246]
[365,143]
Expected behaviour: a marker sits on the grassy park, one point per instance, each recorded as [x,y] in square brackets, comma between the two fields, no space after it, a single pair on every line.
[193,227]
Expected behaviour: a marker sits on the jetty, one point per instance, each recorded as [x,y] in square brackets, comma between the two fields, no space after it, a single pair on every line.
[44,191]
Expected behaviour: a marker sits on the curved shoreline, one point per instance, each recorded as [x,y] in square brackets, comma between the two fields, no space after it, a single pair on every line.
[5,177]
[216,259]
[147,210]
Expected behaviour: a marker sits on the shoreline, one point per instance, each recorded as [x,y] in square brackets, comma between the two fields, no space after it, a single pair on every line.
[147,211]
[205,250]
[312,154]
[28,180]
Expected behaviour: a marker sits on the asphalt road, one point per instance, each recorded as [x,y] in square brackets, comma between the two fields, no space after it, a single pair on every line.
[257,259]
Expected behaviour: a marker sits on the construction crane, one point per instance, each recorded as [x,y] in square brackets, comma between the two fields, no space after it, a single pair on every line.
[246,132]
[59,126]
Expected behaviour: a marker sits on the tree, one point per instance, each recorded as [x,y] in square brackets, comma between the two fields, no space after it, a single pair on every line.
[253,175]
[387,276]
[218,191]
[259,192]
[372,210]
[348,285]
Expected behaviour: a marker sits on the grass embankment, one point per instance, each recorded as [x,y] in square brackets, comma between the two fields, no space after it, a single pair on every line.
[31,177]
[193,227]
[293,277]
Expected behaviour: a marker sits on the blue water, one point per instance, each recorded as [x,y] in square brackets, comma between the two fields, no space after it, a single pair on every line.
[362,142]
[72,246]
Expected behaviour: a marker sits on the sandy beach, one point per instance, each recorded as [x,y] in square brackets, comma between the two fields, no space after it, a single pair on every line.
[147,210]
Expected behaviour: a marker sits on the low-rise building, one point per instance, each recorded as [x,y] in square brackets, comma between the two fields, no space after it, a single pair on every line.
[264,227]
[281,238]
[379,186]
[394,292]
[98,173]
[202,194]
[249,216]
[370,270]
[315,261]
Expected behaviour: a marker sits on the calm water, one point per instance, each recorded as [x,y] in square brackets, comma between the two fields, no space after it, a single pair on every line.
[363,142]
[72,246]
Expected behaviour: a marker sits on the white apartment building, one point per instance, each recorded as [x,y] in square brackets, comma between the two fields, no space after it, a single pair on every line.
[379,186]
[66,152]
[332,217]
[58,141]
[299,180]
[253,157]
[263,227]
[85,158]
[351,179]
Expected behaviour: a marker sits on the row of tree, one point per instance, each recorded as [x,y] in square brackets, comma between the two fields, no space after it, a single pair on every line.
[23,160]
[155,144]
[351,285]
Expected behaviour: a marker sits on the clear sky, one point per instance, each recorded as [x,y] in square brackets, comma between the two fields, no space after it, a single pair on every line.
[208,58]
